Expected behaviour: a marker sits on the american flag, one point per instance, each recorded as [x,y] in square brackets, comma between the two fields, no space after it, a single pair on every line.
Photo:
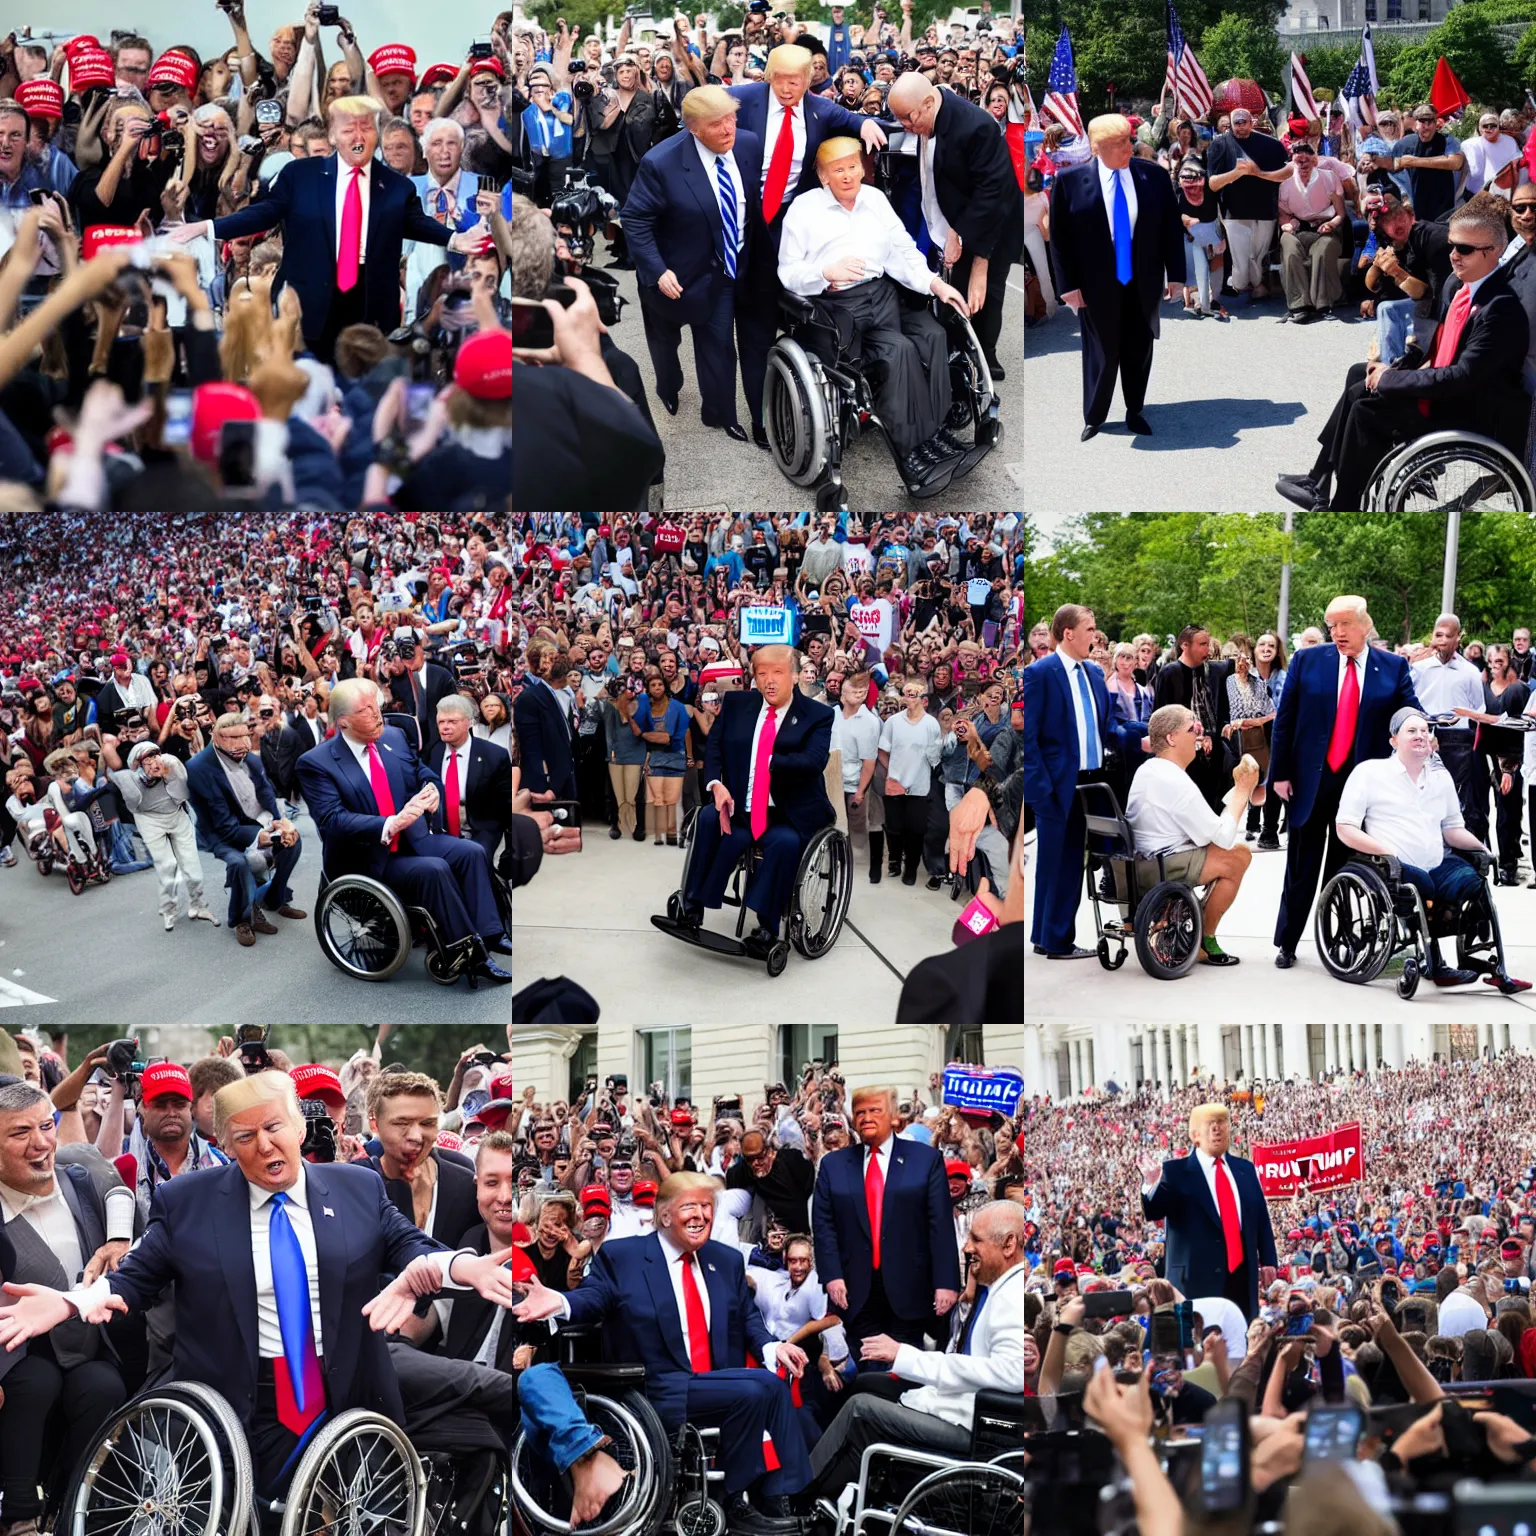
[1061,87]
[1185,80]
[1301,91]
[1359,90]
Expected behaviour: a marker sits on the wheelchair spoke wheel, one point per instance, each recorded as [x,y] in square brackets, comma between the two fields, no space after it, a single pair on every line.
[1355,927]
[822,892]
[359,1477]
[362,931]
[972,1499]
[1449,473]
[1169,927]
[157,1471]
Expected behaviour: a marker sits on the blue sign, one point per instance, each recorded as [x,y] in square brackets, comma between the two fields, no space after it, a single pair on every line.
[984,1088]
[767,626]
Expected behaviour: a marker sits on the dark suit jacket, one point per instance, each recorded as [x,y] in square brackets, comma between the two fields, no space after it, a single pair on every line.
[629,1292]
[199,1240]
[1083,249]
[293,741]
[800,751]
[221,821]
[1050,734]
[1308,706]
[341,800]
[1195,1245]
[980,981]
[456,1210]
[1520,273]
[1481,387]
[824,120]
[672,221]
[472,1315]
[303,200]
[544,741]
[974,181]
[1176,685]
[437,684]
[487,803]
[917,1228]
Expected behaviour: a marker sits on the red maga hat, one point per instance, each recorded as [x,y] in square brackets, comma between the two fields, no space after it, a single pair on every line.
[41,98]
[99,235]
[89,64]
[437,74]
[173,68]
[164,1077]
[393,59]
[484,366]
[595,1198]
[316,1082]
[212,406]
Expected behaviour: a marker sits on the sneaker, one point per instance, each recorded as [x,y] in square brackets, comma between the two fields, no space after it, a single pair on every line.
[934,882]
[202,915]
[7,859]
[170,921]
[1268,844]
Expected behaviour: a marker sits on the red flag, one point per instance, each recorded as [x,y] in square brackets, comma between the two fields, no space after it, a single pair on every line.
[1447,95]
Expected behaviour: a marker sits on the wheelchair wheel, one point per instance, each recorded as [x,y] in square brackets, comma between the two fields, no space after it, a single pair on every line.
[1408,982]
[1452,472]
[822,890]
[1169,927]
[77,875]
[1112,962]
[969,1499]
[363,928]
[158,1469]
[795,413]
[1355,925]
[542,1498]
[699,1517]
[360,1476]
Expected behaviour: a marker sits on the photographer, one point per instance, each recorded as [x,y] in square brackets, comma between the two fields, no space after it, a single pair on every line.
[154,791]
[162,1141]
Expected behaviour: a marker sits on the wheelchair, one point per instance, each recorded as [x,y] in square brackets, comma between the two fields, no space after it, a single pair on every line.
[1164,918]
[48,847]
[1454,472]
[820,396]
[818,903]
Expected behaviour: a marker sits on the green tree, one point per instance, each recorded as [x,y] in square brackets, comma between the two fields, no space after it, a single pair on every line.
[1470,45]
[1525,55]
[1244,47]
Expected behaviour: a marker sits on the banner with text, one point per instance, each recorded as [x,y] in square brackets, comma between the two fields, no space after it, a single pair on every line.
[999,1088]
[1320,1162]
[767,626]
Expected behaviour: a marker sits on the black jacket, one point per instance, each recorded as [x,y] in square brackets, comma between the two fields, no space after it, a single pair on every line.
[487,803]
[437,683]
[974,181]
[472,1316]
[456,1211]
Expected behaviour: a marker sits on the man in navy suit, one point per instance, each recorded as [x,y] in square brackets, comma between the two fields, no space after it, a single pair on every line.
[1115,235]
[314,201]
[788,169]
[1067,729]
[1336,711]
[688,230]
[238,821]
[778,811]
[885,1231]
[477,783]
[1218,1231]
[679,1304]
[281,1352]
[544,734]
[372,798]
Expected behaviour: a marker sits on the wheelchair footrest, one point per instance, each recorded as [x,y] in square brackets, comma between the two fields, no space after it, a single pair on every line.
[704,938]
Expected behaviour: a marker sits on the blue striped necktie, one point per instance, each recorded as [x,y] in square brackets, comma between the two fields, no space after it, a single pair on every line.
[727,213]
[1090,720]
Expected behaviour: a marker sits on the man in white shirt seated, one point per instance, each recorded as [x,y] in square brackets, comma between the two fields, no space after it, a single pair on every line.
[1405,806]
[1169,816]
[845,247]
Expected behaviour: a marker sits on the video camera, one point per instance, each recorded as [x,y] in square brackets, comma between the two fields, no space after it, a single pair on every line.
[319,1144]
[124,1061]
[251,1044]
[582,88]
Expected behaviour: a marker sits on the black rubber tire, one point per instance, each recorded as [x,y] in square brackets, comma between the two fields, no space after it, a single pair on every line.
[1169,927]
[1354,925]
[1408,982]
[778,958]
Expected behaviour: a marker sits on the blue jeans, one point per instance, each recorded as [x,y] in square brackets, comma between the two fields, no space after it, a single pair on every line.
[1197,259]
[551,1419]
[241,882]
[1452,881]
[1394,325]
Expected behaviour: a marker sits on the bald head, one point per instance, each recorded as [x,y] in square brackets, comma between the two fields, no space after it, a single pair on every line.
[914,103]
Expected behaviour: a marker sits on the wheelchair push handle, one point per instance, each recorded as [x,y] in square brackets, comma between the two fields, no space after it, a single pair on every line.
[1504,722]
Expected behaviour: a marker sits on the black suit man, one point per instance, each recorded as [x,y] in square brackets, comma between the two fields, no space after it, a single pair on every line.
[477,778]
[1218,1234]
[1200,685]
[316,201]
[1115,240]
[544,741]
[1335,711]
[972,204]
[687,226]
[1471,380]
[301,733]
[416,688]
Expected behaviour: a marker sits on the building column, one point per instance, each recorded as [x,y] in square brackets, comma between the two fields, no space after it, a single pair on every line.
[1191,1051]
[1091,1076]
[1293,1049]
[1362,1056]
[1074,1068]
[726,1054]
[540,1054]
[1343,1046]
[1180,1056]
[1167,1051]
[1330,1049]
[1209,1033]
[1392,1045]
[1033,1061]
[1270,1065]
[1482,1037]
[1245,1039]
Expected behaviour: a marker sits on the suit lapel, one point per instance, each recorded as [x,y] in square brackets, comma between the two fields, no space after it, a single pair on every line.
[697,181]
[330,1254]
[719,1311]
[856,1163]
[350,766]
[232,1239]
[328,193]
[1207,1199]
[664,1300]
[90,1231]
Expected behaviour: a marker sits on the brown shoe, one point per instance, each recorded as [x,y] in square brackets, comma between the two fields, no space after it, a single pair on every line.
[259,923]
[244,934]
[286,911]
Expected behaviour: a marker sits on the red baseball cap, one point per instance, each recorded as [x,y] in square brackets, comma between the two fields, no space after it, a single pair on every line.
[1064,1267]
[437,74]
[98,235]
[500,1086]
[173,68]
[118,658]
[644,1192]
[42,98]
[484,366]
[89,64]
[491,66]
[955,1169]
[164,1077]
[450,1140]
[493,1113]
[212,406]
[595,1198]
[316,1082]
[393,59]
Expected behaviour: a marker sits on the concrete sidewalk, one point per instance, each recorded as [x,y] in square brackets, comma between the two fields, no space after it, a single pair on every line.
[587,916]
[1066,992]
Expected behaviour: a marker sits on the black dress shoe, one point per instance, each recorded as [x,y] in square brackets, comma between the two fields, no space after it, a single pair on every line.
[500,945]
[934,882]
[735,433]
[759,942]
[670,401]
[951,444]
[1087,432]
[488,970]
[614,833]
[1077,952]
[1284,959]
[998,372]
[1138,424]
[690,917]
[1302,491]
[760,437]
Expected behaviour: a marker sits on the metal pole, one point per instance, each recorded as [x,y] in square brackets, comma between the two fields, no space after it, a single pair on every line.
[1448,580]
[1283,622]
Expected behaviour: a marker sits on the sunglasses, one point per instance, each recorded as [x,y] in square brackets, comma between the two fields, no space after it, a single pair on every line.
[1463,249]
[1524,210]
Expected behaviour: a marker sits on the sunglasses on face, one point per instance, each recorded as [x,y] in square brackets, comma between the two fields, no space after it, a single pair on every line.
[1461,247]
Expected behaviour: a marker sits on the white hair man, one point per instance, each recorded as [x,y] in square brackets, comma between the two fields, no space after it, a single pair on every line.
[1447,683]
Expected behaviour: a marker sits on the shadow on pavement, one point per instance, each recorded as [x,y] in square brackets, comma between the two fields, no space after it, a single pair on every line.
[1212,424]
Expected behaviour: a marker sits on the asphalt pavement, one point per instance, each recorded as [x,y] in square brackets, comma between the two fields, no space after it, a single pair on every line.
[1231,406]
[705,468]
[105,957]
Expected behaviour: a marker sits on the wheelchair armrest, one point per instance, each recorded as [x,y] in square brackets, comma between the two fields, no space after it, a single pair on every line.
[1385,864]
[797,309]
[601,1374]
[1480,860]
[996,1411]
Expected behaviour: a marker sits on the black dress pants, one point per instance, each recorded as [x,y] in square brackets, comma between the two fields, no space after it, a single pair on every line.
[1313,851]
[49,1421]
[1117,344]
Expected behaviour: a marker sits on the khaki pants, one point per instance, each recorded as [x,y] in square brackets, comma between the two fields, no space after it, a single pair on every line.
[625,778]
[1309,267]
[1248,242]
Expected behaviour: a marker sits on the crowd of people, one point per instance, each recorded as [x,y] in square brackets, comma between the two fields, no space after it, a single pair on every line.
[900,175]
[791,1318]
[905,642]
[1408,1286]
[175,686]
[253,278]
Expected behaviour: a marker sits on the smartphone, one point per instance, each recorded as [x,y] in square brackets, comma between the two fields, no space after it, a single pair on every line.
[1391,1293]
[1108,1304]
[1333,1432]
[269,113]
[479,50]
[1494,1509]
[237,454]
[418,401]
[329,15]
[975,922]
[1224,1452]
[532,326]
[178,419]
[1298,1325]
[567,813]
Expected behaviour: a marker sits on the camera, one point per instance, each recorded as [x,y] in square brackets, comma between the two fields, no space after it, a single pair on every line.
[319,1144]
[329,15]
[479,50]
[251,1043]
[123,1060]
[269,113]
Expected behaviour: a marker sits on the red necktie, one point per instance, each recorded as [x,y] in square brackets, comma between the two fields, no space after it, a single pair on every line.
[1343,739]
[874,1198]
[698,1328]
[762,766]
[381,793]
[778,169]
[351,234]
[1451,327]
[1226,1204]
[452,801]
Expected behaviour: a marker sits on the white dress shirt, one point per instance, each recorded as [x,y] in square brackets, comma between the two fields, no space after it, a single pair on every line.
[883,1152]
[1359,665]
[1167,813]
[818,230]
[1443,685]
[1207,1165]
[786,1308]
[771,138]
[1408,814]
[708,159]
[1107,187]
[343,181]
[933,215]
[359,750]
[51,1219]
[1075,690]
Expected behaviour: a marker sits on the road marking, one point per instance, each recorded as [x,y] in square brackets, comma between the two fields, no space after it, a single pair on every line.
[13,995]
[879,955]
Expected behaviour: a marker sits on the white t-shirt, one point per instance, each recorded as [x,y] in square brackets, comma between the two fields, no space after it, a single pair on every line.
[1168,813]
[1408,815]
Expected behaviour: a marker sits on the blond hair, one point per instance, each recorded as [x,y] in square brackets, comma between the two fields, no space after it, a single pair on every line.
[354,106]
[1203,1112]
[875,1091]
[249,1093]
[676,1185]
[786,59]
[707,103]
[1111,125]
[835,149]
[1349,603]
